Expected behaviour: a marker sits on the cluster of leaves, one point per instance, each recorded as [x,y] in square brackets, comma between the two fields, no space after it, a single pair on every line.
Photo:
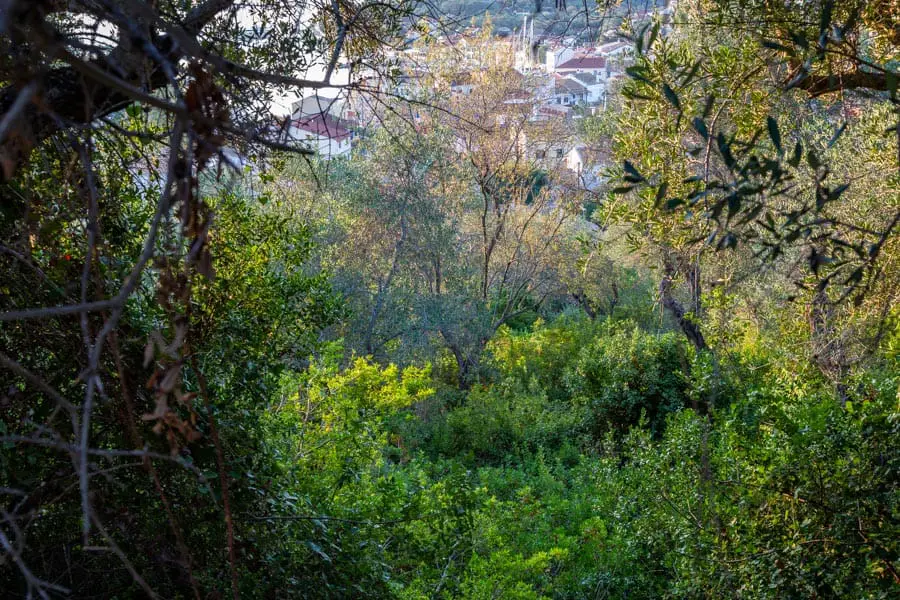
[746,179]
[259,309]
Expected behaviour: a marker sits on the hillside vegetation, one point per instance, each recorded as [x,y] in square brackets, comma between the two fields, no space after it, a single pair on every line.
[449,362]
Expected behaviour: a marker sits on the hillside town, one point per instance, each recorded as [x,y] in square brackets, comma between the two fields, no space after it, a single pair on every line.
[556,80]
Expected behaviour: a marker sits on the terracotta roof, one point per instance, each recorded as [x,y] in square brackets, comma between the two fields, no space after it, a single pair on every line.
[518,95]
[586,63]
[568,86]
[611,47]
[554,110]
[323,126]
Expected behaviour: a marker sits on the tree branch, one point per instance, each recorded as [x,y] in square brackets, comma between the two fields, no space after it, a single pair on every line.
[819,85]
[81,93]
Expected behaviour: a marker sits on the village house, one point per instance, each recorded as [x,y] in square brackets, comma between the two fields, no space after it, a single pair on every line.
[617,48]
[556,55]
[587,164]
[321,133]
[583,64]
[568,92]
[593,83]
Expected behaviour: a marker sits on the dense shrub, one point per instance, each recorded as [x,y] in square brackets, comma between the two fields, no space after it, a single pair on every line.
[627,373]
[495,422]
[538,359]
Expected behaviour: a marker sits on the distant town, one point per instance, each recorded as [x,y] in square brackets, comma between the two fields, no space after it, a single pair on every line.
[558,78]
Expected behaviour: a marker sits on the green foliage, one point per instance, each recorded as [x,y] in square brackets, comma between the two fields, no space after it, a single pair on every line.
[538,359]
[628,375]
[584,456]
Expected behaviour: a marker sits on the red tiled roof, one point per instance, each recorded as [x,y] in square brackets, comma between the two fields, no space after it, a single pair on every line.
[585,78]
[554,109]
[324,126]
[568,86]
[586,63]
[518,95]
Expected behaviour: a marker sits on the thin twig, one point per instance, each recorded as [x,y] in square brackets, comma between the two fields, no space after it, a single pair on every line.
[223,474]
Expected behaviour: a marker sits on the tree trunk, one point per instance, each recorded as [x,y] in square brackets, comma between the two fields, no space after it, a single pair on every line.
[614,300]
[466,362]
[585,305]
[688,325]
[465,368]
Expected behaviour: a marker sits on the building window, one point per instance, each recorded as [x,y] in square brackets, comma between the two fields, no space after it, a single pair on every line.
[559,153]
[540,154]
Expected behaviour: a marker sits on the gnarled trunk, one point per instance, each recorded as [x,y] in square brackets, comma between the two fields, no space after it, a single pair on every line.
[688,325]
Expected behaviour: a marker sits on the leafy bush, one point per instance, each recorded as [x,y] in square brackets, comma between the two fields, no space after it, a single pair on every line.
[628,373]
[538,359]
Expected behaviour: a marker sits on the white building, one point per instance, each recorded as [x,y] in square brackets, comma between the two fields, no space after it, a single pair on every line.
[317,105]
[587,164]
[321,133]
[568,91]
[558,55]
[593,83]
[583,64]
[617,48]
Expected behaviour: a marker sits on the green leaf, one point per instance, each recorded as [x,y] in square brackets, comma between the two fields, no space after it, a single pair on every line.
[671,96]
[752,214]
[728,241]
[772,124]
[700,126]
[821,197]
[661,193]
[837,134]
[632,172]
[318,550]
[707,108]
[855,277]
[852,19]
[624,189]
[779,47]
[837,192]
[637,73]
[813,160]
[825,17]
[890,81]
[734,205]
[654,32]
[725,151]
[794,161]
[799,39]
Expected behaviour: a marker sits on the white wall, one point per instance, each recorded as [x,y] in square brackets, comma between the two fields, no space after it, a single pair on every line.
[324,146]
[557,56]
